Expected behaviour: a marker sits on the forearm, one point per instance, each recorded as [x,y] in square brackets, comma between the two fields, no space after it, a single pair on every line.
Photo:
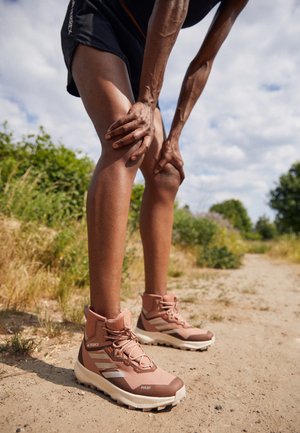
[192,87]
[198,72]
[164,25]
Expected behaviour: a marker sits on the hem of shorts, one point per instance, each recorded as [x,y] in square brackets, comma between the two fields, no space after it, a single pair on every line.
[71,86]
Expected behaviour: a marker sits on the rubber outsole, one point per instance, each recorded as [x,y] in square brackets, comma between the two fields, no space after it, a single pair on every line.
[154,338]
[133,401]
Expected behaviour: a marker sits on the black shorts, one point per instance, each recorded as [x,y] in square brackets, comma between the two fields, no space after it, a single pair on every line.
[105,25]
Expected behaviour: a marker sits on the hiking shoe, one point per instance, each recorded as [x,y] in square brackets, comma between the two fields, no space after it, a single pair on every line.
[160,323]
[111,359]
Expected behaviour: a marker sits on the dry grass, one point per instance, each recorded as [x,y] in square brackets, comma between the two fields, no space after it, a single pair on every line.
[287,247]
[18,345]
[23,279]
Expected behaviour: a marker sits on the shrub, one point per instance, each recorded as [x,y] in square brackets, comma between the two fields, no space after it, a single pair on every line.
[191,230]
[235,212]
[218,247]
[265,228]
[218,258]
[22,198]
[52,169]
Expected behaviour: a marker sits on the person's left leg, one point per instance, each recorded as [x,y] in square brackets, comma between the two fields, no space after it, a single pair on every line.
[159,321]
[156,218]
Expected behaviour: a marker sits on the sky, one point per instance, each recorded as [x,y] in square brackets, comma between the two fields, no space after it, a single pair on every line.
[244,131]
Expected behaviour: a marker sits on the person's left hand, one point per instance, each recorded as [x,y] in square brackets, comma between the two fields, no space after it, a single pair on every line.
[170,153]
[136,125]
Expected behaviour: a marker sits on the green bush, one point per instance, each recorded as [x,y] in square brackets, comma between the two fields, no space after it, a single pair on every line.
[52,169]
[22,198]
[218,246]
[191,230]
[218,257]
[235,212]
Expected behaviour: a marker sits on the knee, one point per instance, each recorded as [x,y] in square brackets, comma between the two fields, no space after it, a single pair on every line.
[166,181]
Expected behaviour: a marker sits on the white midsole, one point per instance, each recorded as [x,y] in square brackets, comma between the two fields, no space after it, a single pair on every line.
[88,377]
[147,337]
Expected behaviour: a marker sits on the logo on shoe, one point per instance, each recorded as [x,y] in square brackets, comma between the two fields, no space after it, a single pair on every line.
[105,364]
[89,345]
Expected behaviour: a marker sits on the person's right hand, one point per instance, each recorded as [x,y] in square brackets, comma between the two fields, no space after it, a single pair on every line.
[136,125]
[170,153]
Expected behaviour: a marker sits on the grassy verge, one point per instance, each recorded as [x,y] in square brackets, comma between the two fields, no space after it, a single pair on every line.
[286,247]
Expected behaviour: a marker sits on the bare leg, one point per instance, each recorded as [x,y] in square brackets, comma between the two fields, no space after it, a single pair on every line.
[103,84]
[156,219]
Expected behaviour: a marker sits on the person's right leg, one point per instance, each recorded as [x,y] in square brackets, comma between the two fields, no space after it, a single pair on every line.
[103,84]
[110,357]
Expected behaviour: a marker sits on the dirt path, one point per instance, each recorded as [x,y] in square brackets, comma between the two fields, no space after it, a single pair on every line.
[248,382]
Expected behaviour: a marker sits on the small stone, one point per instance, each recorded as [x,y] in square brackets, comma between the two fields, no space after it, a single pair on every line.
[218,407]
[18,430]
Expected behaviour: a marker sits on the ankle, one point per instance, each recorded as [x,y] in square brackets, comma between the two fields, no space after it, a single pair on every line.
[159,291]
[107,312]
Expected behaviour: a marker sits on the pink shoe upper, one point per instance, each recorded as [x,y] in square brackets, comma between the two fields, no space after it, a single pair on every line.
[160,314]
[111,349]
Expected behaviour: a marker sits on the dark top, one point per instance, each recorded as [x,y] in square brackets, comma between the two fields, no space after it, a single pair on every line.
[142,9]
[118,27]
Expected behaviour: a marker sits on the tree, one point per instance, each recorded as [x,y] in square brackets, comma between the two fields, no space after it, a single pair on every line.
[265,228]
[285,200]
[235,212]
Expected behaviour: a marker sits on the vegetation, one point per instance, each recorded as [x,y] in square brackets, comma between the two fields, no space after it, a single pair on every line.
[286,247]
[217,246]
[265,228]
[285,200]
[41,181]
[18,345]
[235,212]
[43,231]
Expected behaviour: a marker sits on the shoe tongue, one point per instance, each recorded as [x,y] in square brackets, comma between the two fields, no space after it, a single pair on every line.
[123,320]
[170,297]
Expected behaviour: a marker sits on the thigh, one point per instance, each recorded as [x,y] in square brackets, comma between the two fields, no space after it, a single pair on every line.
[103,84]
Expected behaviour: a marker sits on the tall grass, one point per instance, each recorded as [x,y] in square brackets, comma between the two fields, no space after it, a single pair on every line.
[286,247]
[21,197]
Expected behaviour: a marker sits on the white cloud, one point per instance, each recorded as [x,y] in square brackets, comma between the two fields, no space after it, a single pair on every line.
[244,131]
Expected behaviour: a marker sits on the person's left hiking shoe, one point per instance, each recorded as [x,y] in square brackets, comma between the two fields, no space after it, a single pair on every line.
[160,323]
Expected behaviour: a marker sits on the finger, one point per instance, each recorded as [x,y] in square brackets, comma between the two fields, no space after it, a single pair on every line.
[161,164]
[123,129]
[178,164]
[131,138]
[143,148]
[125,119]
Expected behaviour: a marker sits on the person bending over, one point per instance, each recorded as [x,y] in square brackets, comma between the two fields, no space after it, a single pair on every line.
[116,53]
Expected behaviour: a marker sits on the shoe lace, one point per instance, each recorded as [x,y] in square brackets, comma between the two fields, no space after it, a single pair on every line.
[126,343]
[171,307]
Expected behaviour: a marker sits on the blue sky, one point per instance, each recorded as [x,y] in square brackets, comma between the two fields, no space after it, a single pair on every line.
[244,131]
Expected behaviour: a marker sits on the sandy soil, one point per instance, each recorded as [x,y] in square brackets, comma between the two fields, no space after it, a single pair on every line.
[248,382]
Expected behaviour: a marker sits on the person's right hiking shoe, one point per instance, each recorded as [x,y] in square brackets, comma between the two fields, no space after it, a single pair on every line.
[161,323]
[111,360]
